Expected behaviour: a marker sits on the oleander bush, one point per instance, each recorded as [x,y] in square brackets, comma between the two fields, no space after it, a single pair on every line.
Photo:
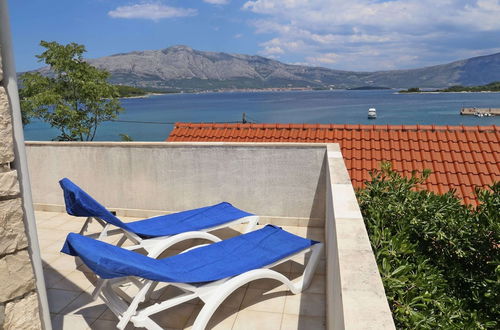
[439,259]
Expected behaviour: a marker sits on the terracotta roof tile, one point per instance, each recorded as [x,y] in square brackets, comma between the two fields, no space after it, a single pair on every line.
[461,137]
[405,144]
[418,165]
[356,144]
[493,170]
[461,157]
[447,156]
[386,154]
[482,169]
[438,167]
[357,154]
[475,179]
[467,157]
[496,155]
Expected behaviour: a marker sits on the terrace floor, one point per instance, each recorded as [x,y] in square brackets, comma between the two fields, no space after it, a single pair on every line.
[263,304]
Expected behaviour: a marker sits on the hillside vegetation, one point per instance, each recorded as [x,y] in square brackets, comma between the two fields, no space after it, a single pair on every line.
[184,68]
[491,87]
[130,91]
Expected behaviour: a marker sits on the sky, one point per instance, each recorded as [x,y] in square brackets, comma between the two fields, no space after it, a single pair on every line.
[359,35]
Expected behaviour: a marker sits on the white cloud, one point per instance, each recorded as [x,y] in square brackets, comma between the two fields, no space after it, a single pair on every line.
[383,34]
[277,47]
[269,50]
[328,58]
[217,2]
[151,11]
[238,36]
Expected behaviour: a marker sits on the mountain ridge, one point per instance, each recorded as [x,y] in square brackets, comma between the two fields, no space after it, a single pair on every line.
[181,67]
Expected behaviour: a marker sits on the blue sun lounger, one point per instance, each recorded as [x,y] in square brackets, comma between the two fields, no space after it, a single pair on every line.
[210,272]
[147,233]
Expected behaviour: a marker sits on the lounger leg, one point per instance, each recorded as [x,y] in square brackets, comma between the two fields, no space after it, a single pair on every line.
[85,225]
[88,221]
[99,285]
[252,222]
[150,291]
[104,232]
[142,317]
[121,241]
[308,274]
[100,221]
[149,324]
[133,306]
[216,296]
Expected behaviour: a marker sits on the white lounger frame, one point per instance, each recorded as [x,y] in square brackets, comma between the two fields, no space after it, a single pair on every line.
[212,294]
[156,246]
[151,244]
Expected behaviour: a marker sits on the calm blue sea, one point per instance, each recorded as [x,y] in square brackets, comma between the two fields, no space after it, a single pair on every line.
[339,107]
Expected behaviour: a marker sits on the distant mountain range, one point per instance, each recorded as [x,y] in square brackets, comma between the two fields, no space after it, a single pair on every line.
[184,68]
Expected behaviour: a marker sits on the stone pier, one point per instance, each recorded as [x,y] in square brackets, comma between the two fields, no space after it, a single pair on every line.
[482,111]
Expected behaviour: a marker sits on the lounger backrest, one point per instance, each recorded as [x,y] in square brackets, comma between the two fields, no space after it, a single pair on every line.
[81,204]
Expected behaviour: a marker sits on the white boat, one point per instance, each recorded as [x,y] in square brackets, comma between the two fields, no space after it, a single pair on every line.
[372,113]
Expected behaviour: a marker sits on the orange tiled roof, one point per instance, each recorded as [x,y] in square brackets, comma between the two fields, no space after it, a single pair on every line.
[460,157]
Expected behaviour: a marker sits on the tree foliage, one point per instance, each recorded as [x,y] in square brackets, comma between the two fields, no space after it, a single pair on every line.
[439,259]
[73,97]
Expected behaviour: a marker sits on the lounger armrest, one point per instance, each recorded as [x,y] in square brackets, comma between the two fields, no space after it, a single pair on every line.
[156,246]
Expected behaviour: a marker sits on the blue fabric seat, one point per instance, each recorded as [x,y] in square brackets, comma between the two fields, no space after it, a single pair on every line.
[79,203]
[208,263]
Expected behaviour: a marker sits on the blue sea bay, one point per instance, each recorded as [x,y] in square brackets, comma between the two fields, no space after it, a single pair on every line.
[325,107]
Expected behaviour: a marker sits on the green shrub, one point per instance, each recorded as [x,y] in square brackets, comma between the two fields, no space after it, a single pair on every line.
[439,259]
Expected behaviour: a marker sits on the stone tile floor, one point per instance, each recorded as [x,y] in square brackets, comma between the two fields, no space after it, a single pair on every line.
[262,304]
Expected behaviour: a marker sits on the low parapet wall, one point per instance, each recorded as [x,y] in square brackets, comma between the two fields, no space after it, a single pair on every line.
[272,180]
[356,298]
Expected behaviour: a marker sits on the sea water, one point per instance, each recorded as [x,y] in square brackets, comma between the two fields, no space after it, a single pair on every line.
[325,107]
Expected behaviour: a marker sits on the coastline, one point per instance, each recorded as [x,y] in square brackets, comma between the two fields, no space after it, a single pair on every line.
[143,96]
[434,92]
[256,90]
[295,89]
[249,90]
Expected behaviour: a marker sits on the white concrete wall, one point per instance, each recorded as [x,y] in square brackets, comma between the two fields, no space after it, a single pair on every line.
[355,294]
[274,180]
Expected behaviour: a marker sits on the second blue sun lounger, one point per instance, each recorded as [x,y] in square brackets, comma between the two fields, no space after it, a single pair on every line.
[209,272]
[146,233]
